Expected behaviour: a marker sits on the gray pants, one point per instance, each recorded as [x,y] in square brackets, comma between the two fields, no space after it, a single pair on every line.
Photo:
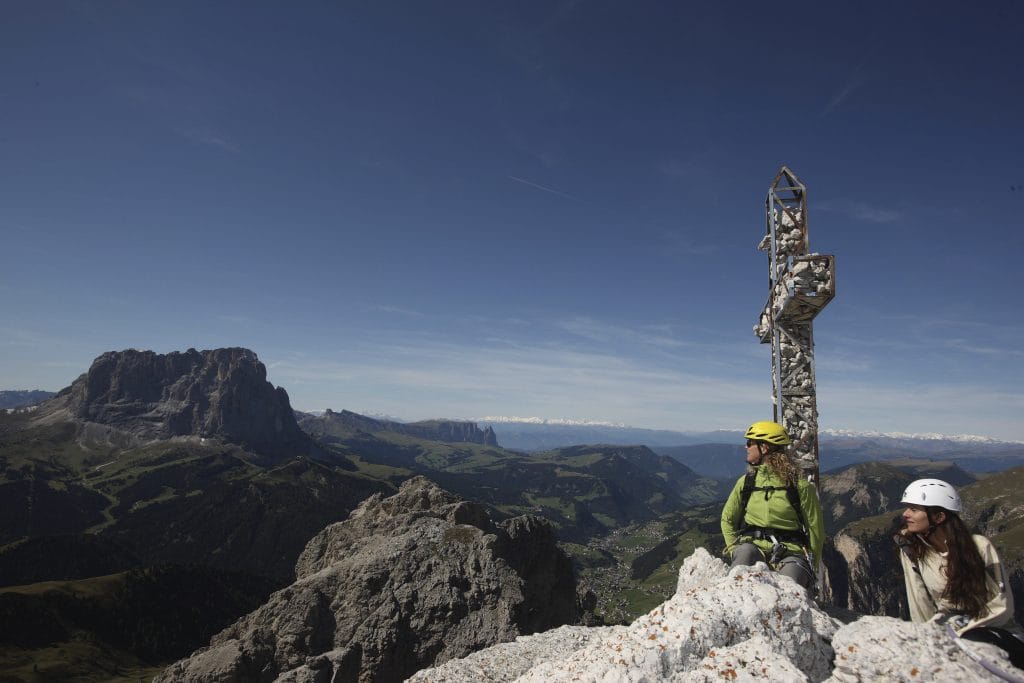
[795,567]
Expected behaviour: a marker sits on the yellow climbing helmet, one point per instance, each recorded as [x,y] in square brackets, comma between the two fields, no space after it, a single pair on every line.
[772,432]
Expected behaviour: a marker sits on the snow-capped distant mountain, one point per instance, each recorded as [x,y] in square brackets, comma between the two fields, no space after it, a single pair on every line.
[929,436]
[706,452]
[548,421]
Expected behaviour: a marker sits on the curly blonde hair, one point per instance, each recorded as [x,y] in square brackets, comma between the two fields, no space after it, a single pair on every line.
[779,461]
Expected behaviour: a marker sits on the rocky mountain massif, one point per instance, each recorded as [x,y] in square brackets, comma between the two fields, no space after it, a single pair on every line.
[180,458]
[406,581]
[141,396]
[188,459]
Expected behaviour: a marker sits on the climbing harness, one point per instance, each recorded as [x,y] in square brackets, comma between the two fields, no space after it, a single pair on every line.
[778,537]
[798,536]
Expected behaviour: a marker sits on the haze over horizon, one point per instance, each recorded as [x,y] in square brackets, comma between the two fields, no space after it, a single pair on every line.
[544,209]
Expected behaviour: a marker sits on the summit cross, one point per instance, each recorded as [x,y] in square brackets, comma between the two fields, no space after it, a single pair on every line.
[800,285]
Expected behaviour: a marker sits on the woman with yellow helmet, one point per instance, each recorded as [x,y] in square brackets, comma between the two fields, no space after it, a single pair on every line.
[773,514]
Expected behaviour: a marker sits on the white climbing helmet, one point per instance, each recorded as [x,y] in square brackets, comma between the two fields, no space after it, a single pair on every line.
[932,493]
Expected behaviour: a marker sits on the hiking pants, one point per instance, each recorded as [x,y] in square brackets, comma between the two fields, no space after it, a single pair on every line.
[795,567]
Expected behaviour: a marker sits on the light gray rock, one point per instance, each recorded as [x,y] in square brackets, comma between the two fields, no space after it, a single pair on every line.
[744,624]
[719,621]
[887,649]
[405,582]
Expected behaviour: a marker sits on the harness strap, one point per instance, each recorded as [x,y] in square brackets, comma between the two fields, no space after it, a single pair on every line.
[783,535]
[792,495]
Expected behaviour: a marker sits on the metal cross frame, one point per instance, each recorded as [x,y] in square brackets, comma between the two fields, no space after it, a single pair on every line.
[800,285]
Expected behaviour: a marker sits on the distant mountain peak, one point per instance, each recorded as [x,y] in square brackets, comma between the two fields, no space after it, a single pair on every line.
[222,393]
[12,399]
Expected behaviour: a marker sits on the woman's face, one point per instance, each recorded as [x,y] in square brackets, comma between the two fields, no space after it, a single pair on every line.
[754,453]
[916,519]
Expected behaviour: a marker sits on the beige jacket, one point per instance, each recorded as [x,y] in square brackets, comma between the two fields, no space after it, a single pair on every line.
[924,589]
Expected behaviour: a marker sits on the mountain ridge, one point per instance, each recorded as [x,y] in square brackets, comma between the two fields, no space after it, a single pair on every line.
[11,399]
[145,396]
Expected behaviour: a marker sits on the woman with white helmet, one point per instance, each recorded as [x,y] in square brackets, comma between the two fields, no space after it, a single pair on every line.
[952,575]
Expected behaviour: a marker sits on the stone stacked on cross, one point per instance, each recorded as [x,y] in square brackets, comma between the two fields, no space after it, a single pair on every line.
[800,284]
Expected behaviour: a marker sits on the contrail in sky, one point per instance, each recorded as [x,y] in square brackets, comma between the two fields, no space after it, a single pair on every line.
[541,187]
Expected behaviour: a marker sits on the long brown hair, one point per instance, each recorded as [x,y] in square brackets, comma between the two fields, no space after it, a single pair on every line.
[965,589]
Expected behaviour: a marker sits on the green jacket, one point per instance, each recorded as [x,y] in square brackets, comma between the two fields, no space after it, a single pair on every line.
[775,512]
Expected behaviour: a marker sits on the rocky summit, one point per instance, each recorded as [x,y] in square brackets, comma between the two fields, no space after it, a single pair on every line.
[141,396]
[745,624]
[405,582]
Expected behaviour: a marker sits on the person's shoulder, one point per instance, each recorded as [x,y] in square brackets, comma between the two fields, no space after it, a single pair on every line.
[981,541]
[739,483]
[749,471]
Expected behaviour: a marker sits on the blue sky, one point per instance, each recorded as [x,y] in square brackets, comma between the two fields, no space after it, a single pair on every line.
[469,209]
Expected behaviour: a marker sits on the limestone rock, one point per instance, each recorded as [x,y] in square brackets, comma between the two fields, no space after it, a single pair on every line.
[745,620]
[404,583]
[744,624]
[886,649]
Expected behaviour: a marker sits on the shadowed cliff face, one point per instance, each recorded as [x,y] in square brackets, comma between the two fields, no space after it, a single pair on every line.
[147,396]
[406,581]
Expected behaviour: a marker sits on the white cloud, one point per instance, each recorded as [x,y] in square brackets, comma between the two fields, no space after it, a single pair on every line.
[446,380]
[920,407]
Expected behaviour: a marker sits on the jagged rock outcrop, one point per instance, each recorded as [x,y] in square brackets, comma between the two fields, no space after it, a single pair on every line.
[146,396]
[864,572]
[405,582]
[744,624]
[331,423]
[862,490]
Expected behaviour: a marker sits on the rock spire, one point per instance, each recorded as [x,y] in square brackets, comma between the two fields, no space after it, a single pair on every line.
[405,582]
